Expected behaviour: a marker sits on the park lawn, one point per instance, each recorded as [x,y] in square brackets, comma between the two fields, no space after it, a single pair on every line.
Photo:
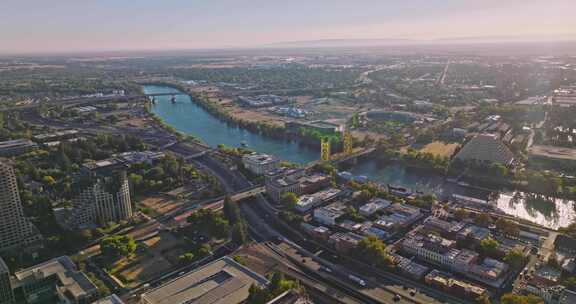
[439,148]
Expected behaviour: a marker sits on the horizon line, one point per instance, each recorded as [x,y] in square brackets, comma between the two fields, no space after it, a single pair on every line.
[388,42]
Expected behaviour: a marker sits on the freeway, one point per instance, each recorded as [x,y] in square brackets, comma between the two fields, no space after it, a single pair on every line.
[309,280]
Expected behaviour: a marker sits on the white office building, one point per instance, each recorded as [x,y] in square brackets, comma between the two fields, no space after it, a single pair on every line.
[259,164]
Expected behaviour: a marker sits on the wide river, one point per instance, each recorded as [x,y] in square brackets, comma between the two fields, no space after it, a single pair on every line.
[187,117]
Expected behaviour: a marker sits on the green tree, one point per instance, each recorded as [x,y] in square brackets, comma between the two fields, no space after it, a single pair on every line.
[483,300]
[48,180]
[483,220]
[279,284]
[510,298]
[488,247]
[508,227]
[186,258]
[118,246]
[135,179]
[239,233]
[231,211]
[461,214]
[289,199]
[257,295]
[204,250]
[364,196]
[211,222]
[514,258]
[373,250]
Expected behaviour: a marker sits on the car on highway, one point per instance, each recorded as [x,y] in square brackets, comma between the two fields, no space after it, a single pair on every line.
[357,280]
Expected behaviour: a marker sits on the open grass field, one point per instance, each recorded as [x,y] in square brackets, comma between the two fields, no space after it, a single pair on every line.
[160,204]
[440,149]
[156,255]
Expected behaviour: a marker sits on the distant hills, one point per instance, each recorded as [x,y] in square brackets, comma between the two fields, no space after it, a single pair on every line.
[399,42]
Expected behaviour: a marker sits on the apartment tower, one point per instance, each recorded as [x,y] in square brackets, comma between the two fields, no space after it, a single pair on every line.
[15,229]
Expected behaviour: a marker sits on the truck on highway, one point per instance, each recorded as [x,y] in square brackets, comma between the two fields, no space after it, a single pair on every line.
[357,280]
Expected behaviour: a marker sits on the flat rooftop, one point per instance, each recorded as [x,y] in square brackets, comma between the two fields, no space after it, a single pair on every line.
[74,281]
[553,152]
[16,143]
[221,282]
[113,299]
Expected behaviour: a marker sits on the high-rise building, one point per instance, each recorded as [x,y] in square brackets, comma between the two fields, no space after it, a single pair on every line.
[15,229]
[6,294]
[103,198]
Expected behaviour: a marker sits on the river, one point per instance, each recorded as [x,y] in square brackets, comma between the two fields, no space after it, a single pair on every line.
[187,117]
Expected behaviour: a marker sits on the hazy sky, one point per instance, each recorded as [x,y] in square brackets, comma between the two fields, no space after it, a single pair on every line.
[71,25]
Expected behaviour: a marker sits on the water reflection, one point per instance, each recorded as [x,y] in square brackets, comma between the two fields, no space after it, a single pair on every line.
[548,212]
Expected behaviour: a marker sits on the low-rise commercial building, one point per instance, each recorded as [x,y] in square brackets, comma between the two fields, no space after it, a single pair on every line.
[314,183]
[472,202]
[465,260]
[565,244]
[55,136]
[345,242]
[446,282]
[307,202]
[16,147]
[259,164]
[223,281]
[281,185]
[329,214]
[369,229]
[410,268]
[283,180]
[490,270]
[431,248]
[402,216]
[54,281]
[375,205]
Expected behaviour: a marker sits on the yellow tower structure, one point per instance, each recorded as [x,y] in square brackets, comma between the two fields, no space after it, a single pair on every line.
[324,149]
[347,138]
